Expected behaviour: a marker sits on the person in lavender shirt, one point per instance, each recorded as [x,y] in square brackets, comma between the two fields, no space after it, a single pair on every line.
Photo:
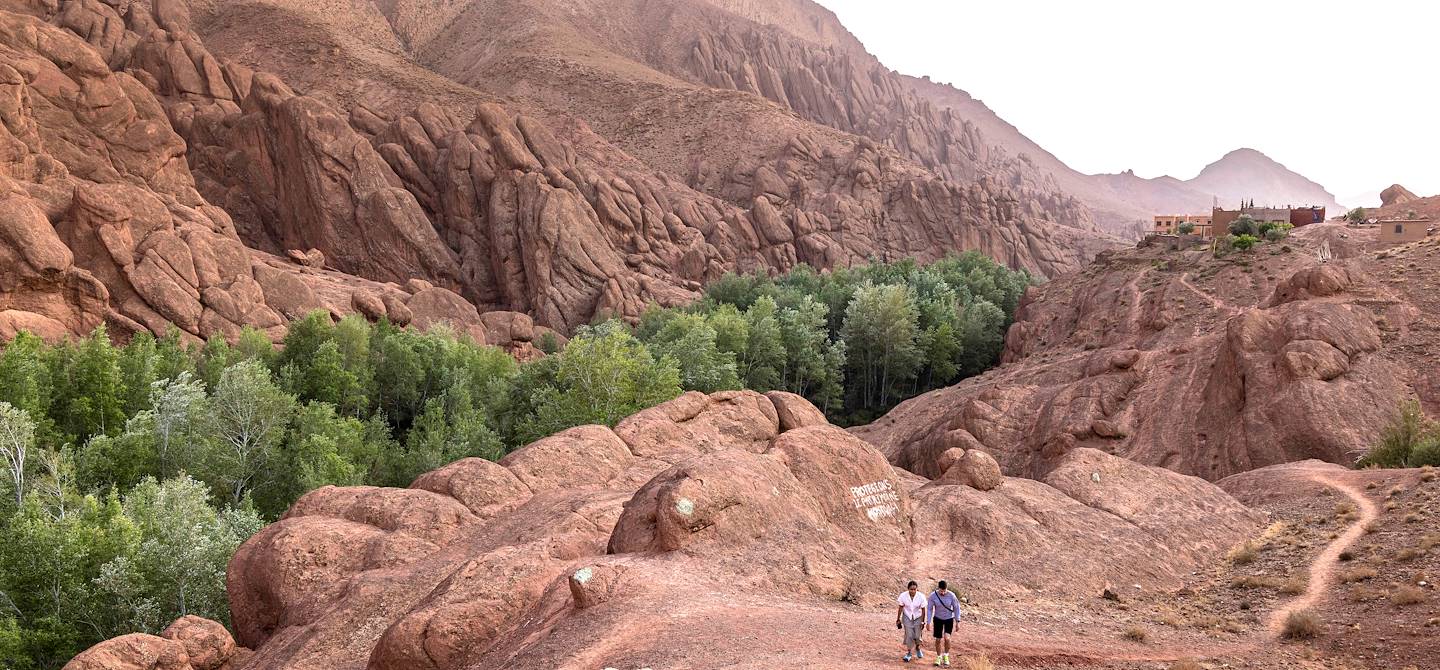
[944,609]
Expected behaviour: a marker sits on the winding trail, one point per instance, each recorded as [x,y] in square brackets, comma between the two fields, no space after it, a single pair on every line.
[1005,647]
[1215,303]
[1322,571]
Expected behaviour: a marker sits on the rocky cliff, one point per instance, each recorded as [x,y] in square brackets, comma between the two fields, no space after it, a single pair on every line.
[159,176]
[1202,365]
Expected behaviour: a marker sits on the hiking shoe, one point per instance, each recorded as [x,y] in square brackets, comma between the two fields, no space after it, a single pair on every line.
[920,653]
[937,660]
[947,660]
[907,658]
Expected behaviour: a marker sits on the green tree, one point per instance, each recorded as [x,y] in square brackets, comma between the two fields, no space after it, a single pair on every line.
[171,357]
[1185,228]
[88,393]
[26,380]
[17,438]
[1244,225]
[691,342]
[250,415]
[982,337]
[185,547]
[47,569]
[1243,242]
[764,348]
[604,375]
[880,330]
[811,369]
[1356,215]
[181,424]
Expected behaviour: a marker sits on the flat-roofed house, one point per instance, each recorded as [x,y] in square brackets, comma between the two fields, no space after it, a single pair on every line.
[1396,231]
[1169,224]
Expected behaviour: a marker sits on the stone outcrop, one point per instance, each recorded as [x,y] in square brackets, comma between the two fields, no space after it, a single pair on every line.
[704,501]
[190,643]
[1395,195]
[1206,366]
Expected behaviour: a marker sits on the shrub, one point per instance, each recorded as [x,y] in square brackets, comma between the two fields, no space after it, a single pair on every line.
[1408,432]
[1244,242]
[1427,452]
[1244,554]
[1136,634]
[1186,664]
[1245,225]
[1356,215]
[1302,625]
[1407,595]
[981,662]
[1293,586]
[1186,228]
[1357,575]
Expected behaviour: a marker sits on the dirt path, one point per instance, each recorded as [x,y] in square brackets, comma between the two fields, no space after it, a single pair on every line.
[1322,571]
[1006,647]
[1215,302]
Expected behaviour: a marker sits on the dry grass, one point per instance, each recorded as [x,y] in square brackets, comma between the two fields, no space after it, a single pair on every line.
[1365,594]
[1397,491]
[1409,554]
[1256,582]
[1136,634]
[1407,595]
[1244,554]
[1391,505]
[1207,621]
[1357,575]
[1186,665]
[1412,518]
[1429,542]
[981,662]
[1302,625]
[1427,476]
[1371,486]
[1294,586]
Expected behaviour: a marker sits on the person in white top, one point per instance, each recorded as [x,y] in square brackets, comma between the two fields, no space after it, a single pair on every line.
[910,617]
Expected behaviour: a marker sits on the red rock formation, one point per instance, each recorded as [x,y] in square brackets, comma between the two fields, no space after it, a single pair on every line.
[490,207]
[1395,195]
[1205,366]
[700,500]
[190,643]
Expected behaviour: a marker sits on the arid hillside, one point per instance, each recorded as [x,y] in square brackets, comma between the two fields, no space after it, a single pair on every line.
[1207,366]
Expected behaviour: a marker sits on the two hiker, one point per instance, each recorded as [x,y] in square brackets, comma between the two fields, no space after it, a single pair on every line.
[916,613]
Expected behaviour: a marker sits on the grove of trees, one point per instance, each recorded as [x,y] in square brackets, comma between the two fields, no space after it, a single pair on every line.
[855,341]
[130,473]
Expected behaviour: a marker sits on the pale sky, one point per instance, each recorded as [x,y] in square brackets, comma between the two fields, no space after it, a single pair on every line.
[1341,92]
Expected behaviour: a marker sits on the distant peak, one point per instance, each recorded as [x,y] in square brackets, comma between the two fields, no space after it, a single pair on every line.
[1246,153]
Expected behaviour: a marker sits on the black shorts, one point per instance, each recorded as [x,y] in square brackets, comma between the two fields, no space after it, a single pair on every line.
[942,627]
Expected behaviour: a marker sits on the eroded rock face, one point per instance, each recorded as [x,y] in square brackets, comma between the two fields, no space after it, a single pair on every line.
[102,222]
[1178,359]
[701,500]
